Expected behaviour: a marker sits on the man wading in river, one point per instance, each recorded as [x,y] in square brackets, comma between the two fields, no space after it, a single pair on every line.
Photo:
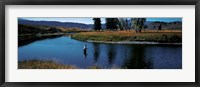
[85,50]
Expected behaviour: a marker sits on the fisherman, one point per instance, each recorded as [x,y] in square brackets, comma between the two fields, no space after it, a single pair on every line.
[85,50]
[85,47]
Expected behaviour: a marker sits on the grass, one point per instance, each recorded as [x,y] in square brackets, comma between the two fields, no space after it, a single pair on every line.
[49,64]
[100,67]
[94,67]
[71,30]
[39,64]
[169,36]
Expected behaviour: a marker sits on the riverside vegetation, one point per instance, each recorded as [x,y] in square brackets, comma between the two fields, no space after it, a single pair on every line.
[49,64]
[162,36]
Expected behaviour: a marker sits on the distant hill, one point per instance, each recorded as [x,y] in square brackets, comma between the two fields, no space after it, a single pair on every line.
[150,24]
[153,25]
[56,24]
[31,29]
[165,25]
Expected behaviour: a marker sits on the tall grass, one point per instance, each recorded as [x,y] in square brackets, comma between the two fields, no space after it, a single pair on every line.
[50,64]
[39,64]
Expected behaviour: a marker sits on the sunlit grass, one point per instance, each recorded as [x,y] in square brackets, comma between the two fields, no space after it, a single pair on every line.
[70,30]
[50,64]
[39,64]
[146,35]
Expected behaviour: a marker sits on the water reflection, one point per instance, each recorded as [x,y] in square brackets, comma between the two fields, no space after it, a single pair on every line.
[136,58]
[85,53]
[96,51]
[111,52]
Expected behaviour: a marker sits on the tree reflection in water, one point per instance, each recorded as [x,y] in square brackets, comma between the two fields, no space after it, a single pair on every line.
[136,58]
[111,53]
[96,51]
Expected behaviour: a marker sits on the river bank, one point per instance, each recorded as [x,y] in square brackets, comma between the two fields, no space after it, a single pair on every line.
[39,64]
[134,42]
[28,38]
[130,37]
[49,64]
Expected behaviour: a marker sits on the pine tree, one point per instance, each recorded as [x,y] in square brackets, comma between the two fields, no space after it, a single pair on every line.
[160,27]
[97,24]
[112,23]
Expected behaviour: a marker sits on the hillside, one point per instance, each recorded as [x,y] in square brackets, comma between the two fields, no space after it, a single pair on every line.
[31,33]
[56,24]
[165,25]
[31,29]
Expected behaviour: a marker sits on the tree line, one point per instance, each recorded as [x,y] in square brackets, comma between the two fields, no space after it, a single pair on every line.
[121,23]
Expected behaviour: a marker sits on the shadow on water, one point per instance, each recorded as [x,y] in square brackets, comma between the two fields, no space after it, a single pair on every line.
[25,40]
[136,58]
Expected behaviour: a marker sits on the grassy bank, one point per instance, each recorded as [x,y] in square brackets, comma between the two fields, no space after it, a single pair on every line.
[38,64]
[48,64]
[163,36]
[24,39]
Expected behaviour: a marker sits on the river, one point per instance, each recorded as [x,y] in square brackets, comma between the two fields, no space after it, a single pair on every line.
[68,51]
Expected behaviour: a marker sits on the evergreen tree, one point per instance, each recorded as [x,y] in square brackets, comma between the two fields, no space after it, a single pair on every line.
[126,24]
[160,27]
[97,24]
[112,23]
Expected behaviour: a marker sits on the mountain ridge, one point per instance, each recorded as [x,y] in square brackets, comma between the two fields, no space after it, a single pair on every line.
[150,24]
[56,23]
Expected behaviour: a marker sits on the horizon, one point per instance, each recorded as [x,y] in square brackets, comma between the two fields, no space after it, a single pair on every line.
[90,20]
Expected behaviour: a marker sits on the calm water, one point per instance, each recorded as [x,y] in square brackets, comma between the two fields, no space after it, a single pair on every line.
[69,51]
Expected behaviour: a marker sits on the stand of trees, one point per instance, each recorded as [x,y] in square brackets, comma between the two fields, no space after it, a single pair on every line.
[124,24]
[121,23]
[138,24]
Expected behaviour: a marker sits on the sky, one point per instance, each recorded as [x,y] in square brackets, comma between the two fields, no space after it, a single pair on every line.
[90,21]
